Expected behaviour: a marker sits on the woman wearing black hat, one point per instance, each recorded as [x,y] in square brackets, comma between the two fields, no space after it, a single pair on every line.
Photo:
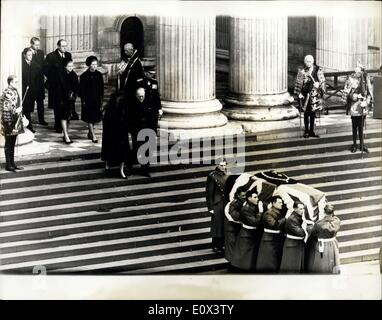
[91,92]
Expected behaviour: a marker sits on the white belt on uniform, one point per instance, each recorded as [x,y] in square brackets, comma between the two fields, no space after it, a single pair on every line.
[271,231]
[289,236]
[249,227]
[230,219]
[321,242]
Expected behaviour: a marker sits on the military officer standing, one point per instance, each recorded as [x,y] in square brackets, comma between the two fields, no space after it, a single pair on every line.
[216,201]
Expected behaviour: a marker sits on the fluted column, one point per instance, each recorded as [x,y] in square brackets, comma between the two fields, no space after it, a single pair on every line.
[258,79]
[341,41]
[15,37]
[186,72]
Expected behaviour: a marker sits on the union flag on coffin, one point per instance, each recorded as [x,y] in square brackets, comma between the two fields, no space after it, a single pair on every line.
[272,183]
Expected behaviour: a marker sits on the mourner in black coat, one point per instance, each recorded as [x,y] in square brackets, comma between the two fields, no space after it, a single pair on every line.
[216,202]
[52,66]
[294,246]
[38,58]
[130,72]
[91,93]
[66,94]
[248,240]
[115,134]
[143,113]
[33,79]
[272,241]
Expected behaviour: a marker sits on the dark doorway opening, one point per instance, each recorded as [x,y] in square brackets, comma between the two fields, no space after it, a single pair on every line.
[132,31]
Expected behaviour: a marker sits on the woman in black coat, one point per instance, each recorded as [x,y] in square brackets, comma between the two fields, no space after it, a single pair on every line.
[91,92]
[115,135]
[67,94]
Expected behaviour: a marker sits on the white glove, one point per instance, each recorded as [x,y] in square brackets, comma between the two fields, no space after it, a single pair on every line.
[316,85]
[211,211]
[261,207]
[300,96]
[19,109]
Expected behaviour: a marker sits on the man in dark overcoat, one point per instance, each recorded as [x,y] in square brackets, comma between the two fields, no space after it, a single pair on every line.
[272,241]
[38,58]
[32,84]
[248,239]
[294,246]
[143,113]
[216,202]
[52,68]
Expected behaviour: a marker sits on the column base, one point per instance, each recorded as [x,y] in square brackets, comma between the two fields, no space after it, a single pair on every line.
[192,115]
[272,107]
[229,129]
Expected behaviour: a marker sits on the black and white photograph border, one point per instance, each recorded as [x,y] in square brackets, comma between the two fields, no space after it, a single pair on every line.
[231,78]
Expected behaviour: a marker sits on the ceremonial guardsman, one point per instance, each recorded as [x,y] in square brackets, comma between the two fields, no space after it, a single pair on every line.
[216,202]
[272,241]
[324,252]
[308,78]
[248,240]
[294,246]
[232,224]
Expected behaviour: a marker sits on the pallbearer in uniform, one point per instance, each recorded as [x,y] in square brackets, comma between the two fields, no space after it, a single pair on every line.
[324,252]
[294,246]
[232,224]
[216,201]
[248,240]
[272,241]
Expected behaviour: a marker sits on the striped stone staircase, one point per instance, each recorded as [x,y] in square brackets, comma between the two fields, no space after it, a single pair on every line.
[66,216]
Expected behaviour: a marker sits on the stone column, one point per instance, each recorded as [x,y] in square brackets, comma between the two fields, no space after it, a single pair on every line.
[341,41]
[15,36]
[186,72]
[258,70]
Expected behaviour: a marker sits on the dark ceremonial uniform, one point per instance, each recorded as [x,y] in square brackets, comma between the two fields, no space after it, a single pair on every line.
[216,201]
[232,227]
[272,241]
[294,246]
[248,239]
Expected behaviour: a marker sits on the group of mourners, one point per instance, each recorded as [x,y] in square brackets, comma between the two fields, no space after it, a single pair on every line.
[258,237]
[310,87]
[135,104]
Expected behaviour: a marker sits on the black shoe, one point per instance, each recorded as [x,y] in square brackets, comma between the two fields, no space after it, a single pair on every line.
[91,137]
[67,142]
[75,116]
[145,171]
[43,123]
[353,148]
[365,149]
[58,130]
[306,135]
[10,168]
[18,168]
[312,134]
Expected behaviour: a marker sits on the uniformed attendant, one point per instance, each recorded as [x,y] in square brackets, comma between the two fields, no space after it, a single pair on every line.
[248,240]
[324,253]
[232,224]
[309,77]
[294,246]
[216,201]
[272,241]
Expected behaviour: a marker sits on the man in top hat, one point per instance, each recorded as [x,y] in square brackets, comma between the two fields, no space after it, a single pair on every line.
[216,202]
